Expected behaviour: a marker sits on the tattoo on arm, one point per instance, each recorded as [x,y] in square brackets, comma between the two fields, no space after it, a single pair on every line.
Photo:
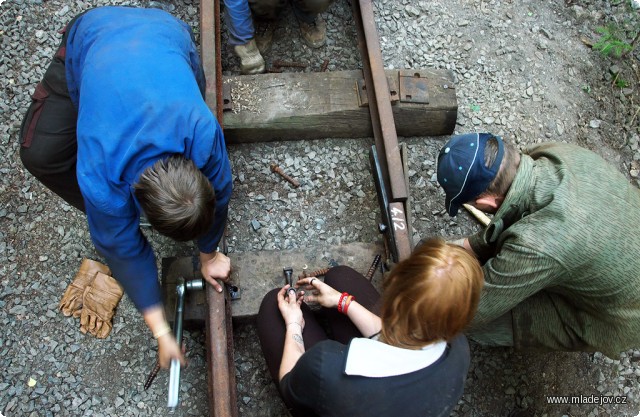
[298,338]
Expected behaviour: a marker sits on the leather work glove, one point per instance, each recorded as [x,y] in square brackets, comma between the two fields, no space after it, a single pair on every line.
[71,302]
[99,304]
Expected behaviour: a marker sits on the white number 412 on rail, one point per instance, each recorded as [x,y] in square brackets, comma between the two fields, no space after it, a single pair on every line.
[397,216]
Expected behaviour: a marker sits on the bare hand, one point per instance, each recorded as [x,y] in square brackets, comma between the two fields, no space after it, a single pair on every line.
[319,292]
[215,266]
[289,302]
[168,349]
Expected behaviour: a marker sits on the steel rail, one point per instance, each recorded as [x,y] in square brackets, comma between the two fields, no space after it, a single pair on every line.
[373,59]
[219,330]
[221,370]
[384,131]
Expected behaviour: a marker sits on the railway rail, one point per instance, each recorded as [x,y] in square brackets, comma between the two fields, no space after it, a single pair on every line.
[388,165]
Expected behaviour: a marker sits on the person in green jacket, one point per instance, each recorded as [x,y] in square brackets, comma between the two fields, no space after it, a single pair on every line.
[561,256]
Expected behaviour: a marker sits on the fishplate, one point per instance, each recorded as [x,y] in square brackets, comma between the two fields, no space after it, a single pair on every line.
[413,87]
[363,99]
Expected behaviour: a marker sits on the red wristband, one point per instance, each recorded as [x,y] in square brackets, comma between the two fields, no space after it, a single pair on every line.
[341,301]
[347,303]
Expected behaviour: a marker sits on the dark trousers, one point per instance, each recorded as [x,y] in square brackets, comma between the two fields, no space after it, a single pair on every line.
[48,134]
[305,10]
[272,328]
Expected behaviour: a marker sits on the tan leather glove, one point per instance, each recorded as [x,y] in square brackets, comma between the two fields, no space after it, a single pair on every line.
[71,302]
[99,304]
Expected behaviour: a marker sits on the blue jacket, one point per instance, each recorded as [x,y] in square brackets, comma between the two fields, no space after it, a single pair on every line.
[136,79]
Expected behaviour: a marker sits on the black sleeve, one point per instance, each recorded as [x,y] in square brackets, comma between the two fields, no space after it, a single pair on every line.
[304,387]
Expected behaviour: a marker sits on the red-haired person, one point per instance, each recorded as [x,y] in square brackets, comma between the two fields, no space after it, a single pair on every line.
[411,360]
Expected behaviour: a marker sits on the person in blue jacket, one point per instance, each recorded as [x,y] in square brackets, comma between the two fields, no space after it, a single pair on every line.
[119,129]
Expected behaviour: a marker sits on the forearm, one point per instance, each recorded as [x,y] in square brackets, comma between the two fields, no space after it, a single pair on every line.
[209,242]
[515,275]
[206,257]
[367,323]
[293,348]
[168,348]
[156,320]
[117,237]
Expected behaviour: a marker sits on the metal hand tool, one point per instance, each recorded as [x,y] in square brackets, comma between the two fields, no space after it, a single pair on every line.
[174,370]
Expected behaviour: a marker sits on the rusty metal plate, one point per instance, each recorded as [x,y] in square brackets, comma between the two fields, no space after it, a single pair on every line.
[413,88]
[363,98]
[227,102]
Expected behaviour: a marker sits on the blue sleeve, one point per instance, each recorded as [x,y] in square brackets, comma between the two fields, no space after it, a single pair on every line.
[128,254]
[239,21]
[218,170]
[196,63]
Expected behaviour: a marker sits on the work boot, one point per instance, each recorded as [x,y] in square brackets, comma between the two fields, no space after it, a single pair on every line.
[264,35]
[314,34]
[71,302]
[251,62]
[99,305]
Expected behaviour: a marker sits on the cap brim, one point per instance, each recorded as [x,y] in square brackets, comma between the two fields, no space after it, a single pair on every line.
[452,209]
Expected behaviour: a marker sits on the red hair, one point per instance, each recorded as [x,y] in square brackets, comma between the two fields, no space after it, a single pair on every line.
[433,295]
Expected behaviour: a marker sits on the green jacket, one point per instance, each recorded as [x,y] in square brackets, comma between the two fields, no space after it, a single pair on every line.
[563,254]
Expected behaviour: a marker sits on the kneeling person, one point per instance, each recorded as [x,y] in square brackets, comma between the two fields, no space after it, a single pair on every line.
[561,258]
[119,128]
[412,360]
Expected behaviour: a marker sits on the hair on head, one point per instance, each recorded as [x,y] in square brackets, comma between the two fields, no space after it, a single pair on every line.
[432,295]
[177,198]
[510,162]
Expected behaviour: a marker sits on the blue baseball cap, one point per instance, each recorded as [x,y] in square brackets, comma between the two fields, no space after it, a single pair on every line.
[461,169]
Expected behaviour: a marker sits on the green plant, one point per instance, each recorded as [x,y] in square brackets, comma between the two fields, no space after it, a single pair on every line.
[620,83]
[611,41]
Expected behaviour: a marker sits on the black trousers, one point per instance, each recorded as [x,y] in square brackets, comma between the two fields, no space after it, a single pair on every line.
[48,143]
[272,328]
